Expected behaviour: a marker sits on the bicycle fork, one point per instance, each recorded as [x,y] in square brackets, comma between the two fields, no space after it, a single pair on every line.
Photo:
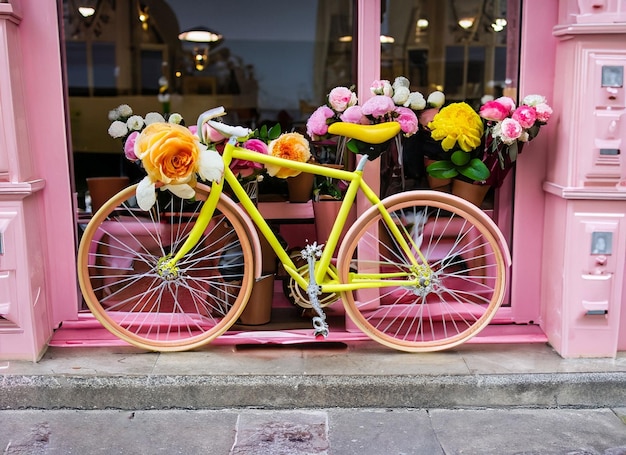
[167,268]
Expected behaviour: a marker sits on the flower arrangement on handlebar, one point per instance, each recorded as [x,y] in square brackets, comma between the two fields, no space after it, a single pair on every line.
[175,157]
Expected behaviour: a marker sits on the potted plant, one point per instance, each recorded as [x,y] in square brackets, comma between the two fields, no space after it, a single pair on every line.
[475,151]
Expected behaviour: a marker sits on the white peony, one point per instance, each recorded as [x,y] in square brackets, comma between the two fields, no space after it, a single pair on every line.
[416,101]
[400,95]
[436,99]
[401,81]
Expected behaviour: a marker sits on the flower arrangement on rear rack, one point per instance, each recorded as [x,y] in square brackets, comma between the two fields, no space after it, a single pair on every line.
[482,146]
[390,102]
[175,157]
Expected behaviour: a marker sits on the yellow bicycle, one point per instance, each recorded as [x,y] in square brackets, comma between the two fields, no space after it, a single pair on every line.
[418,271]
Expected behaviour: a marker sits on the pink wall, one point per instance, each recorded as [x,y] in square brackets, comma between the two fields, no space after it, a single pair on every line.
[538,50]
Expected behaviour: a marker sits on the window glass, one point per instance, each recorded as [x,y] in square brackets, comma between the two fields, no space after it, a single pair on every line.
[76,55]
[272,61]
[104,82]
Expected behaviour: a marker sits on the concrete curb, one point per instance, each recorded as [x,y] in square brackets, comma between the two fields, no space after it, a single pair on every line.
[590,390]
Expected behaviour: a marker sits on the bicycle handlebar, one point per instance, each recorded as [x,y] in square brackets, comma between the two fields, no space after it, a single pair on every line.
[372,134]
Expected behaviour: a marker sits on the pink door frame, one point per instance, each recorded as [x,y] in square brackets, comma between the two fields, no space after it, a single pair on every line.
[48,134]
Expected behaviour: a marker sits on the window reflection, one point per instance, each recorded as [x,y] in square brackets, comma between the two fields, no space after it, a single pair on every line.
[276,61]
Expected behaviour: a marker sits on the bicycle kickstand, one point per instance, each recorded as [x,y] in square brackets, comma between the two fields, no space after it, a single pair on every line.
[311,253]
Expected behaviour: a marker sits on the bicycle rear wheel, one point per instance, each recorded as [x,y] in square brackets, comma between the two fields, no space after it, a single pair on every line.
[449,293]
[118,257]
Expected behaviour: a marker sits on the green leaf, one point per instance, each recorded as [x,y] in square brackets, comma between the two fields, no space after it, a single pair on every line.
[475,170]
[263,132]
[460,158]
[442,169]
[353,146]
[274,132]
[513,151]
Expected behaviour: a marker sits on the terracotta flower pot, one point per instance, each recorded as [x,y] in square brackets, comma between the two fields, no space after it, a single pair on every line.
[101,189]
[300,187]
[258,310]
[469,191]
[435,183]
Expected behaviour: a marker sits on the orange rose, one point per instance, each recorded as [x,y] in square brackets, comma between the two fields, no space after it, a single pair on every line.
[169,153]
[290,146]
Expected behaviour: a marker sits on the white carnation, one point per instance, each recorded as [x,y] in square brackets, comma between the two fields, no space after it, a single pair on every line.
[118,129]
[387,89]
[135,123]
[113,115]
[124,110]
[154,117]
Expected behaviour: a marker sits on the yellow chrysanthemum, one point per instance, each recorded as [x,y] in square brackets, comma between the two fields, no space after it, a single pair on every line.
[459,124]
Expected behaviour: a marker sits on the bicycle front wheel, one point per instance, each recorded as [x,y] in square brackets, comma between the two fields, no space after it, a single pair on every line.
[428,302]
[118,259]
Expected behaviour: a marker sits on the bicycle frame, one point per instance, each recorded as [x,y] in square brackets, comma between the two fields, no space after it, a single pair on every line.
[323,269]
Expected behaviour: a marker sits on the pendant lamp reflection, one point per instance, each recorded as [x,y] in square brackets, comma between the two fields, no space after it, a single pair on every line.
[203,39]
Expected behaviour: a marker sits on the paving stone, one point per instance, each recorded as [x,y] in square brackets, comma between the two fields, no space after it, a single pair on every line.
[281,433]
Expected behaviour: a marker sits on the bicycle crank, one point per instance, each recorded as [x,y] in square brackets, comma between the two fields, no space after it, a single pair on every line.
[311,253]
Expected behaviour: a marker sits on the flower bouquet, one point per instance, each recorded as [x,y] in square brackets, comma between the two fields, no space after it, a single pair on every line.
[482,146]
[390,102]
[175,157]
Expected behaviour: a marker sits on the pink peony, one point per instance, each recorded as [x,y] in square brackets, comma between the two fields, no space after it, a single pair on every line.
[353,115]
[507,102]
[494,110]
[510,130]
[378,106]
[246,168]
[129,146]
[407,119]
[317,124]
[543,112]
[256,145]
[341,98]
[525,115]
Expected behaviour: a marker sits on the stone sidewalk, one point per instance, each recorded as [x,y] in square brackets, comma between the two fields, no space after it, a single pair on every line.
[333,431]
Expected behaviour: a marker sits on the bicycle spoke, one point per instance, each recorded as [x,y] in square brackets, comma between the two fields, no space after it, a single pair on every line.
[121,256]
[446,300]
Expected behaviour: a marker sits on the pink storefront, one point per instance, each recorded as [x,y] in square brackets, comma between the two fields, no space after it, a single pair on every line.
[567,191]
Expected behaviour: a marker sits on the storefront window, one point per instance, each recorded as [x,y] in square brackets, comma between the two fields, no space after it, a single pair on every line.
[272,61]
